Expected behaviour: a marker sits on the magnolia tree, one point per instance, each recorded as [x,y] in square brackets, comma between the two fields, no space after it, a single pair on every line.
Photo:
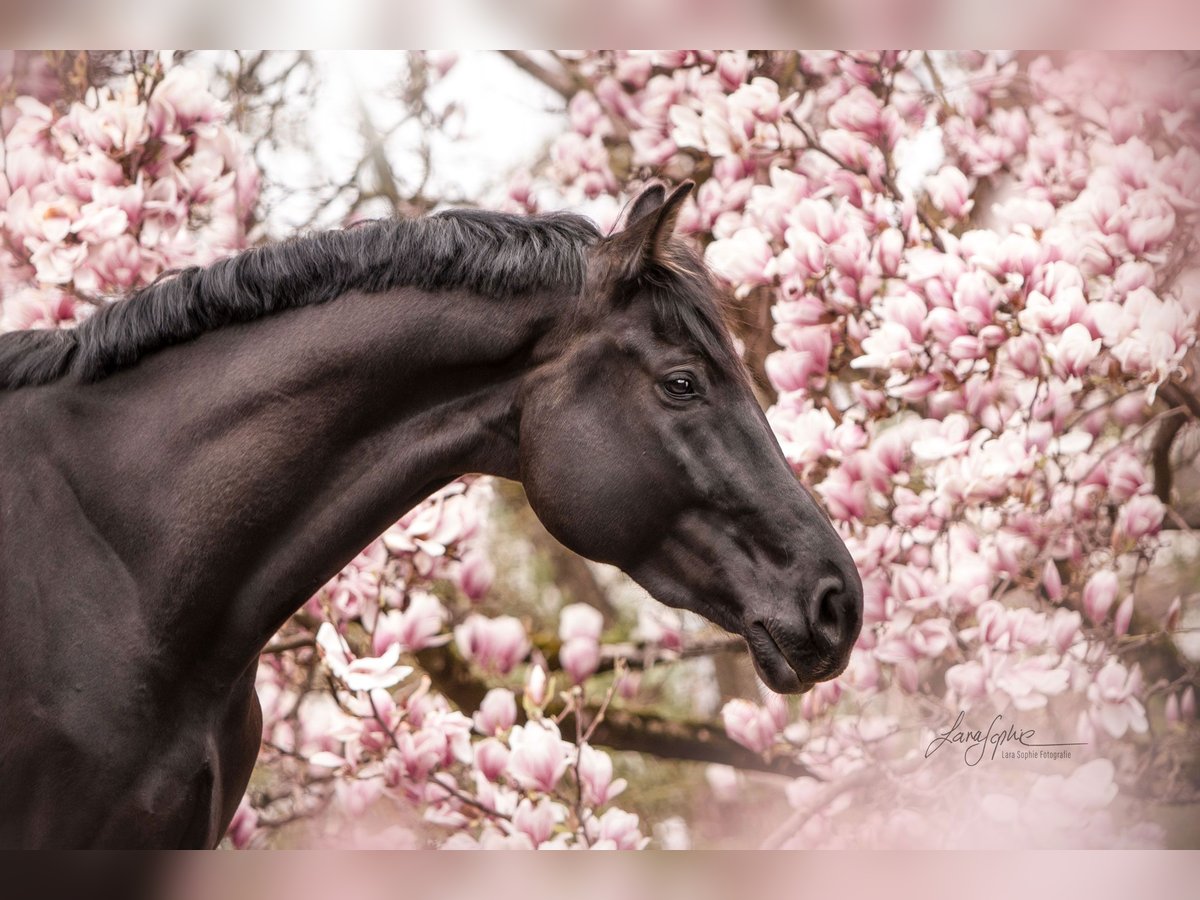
[976,269]
[960,280]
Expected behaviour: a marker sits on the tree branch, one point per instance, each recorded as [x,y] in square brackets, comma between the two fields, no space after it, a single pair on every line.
[293,643]
[620,729]
[376,157]
[1179,522]
[638,656]
[705,742]
[560,82]
[642,656]
[1160,456]
[1178,395]
[1183,403]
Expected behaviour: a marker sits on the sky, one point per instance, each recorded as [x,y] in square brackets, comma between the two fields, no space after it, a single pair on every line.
[507,119]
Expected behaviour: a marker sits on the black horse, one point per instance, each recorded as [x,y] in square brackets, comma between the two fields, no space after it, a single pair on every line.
[184,469]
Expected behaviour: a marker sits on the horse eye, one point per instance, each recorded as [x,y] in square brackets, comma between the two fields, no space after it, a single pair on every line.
[679,385]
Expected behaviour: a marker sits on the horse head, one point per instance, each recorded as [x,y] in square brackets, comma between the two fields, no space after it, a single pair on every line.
[642,445]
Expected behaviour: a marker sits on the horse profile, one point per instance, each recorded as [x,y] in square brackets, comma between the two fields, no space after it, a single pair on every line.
[180,472]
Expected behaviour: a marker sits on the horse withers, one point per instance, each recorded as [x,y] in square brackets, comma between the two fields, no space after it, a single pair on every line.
[185,468]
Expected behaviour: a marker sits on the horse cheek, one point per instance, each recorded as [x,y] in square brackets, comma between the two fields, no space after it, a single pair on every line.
[583,488]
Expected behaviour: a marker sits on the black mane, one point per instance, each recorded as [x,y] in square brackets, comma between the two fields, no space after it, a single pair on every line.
[498,254]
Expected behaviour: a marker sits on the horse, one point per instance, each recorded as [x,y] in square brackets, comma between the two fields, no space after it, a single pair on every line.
[185,468]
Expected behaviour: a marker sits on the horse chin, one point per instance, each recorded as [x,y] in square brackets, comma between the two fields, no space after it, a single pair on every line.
[772,666]
[781,680]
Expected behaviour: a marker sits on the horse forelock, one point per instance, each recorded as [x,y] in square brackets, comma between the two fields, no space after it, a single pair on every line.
[688,306]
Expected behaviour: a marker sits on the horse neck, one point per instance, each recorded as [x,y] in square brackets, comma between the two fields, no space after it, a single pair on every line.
[234,475]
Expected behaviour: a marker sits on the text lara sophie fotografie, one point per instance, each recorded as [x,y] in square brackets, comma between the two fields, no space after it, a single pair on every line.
[998,736]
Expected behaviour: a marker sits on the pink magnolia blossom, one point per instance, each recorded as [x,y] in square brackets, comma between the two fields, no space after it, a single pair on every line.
[416,627]
[1099,594]
[491,758]
[661,626]
[355,796]
[1126,477]
[861,111]
[1052,581]
[750,725]
[1064,629]
[616,830]
[183,100]
[539,757]
[596,776]
[732,69]
[244,825]
[744,258]
[1171,711]
[476,574]
[1123,617]
[1074,351]
[950,191]
[1029,682]
[362,674]
[580,658]
[1113,695]
[806,256]
[536,686]
[536,820]
[1187,702]
[580,621]
[38,309]
[1140,517]
[808,357]
[968,680]
[497,713]
[494,644]
[115,265]
[891,347]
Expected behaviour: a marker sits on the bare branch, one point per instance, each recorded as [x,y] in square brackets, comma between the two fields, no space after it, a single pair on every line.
[294,643]
[560,82]
[376,158]
[644,656]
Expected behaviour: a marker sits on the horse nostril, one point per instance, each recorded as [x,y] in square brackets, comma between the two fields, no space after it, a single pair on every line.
[828,609]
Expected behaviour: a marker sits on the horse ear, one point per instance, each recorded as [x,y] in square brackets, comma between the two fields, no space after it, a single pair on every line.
[651,223]
[647,201]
